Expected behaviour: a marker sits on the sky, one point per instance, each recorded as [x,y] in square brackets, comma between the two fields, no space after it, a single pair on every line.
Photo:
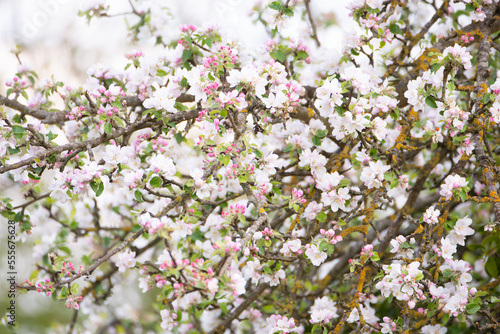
[56,41]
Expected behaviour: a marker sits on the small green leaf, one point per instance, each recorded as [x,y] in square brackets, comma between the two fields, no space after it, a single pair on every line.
[74,289]
[64,292]
[288,11]
[160,73]
[276,5]
[178,137]
[279,55]
[117,104]
[447,273]
[462,194]
[98,188]
[431,102]
[321,217]
[108,128]
[491,267]
[186,54]
[156,182]
[395,29]
[25,95]
[184,83]
[302,54]
[34,275]
[65,250]
[472,308]
[445,319]
[33,176]
[86,260]
[344,182]
[17,130]
[138,196]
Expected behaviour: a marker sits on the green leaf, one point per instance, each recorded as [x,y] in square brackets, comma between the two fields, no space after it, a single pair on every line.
[481,293]
[156,182]
[25,95]
[279,55]
[321,217]
[344,182]
[184,82]
[208,42]
[288,11]
[160,73]
[223,308]
[178,137]
[117,104]
[445,319]
[486,98]
[86,260]
[302,54]
[34,275]
[316,141]
[472,308]
[17,130]
[431,102]
[186,54]
[74,289]
[373,153]
[33,176]
[276,5]
[462,194]
[447,273]
[65,250]
[322,133]
[138,196]
[108,128]
[491,267]
[277,191]
[25,226]
[395,29]
[13,150]
[98,188]
[64,292]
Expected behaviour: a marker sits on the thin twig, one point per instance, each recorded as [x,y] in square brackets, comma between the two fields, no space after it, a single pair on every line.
[314,33]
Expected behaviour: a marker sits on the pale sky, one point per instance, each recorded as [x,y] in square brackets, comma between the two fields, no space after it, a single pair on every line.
[60,43]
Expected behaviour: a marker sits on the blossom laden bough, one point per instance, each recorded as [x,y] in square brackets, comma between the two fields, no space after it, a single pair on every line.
[291,191]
